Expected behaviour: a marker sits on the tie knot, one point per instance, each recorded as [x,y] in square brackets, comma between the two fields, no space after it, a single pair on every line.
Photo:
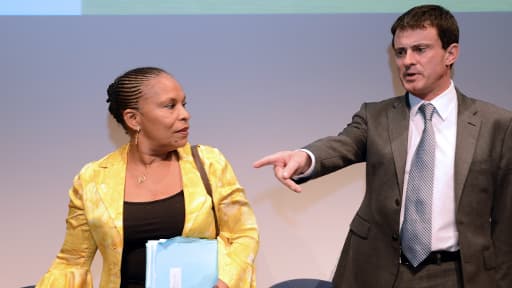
[427,109]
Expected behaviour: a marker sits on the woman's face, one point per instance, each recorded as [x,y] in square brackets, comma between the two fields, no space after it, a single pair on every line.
[164,121]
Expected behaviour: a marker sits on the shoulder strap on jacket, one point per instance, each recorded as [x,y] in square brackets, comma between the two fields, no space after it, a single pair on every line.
[206,183]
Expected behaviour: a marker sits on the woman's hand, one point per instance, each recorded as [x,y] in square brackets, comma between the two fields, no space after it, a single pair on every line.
[221,284]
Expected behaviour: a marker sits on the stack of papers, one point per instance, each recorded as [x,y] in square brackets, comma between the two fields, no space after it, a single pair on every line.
[181,262]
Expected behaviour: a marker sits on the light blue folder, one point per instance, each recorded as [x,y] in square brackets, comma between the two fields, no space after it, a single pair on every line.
[181,262]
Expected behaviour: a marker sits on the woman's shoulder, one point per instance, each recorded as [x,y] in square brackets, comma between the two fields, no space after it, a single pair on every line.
[208,150]
[113,158]
[205,151]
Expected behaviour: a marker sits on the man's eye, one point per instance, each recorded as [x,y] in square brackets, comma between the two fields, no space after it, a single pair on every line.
[170,106]
[420,49]
[399,53]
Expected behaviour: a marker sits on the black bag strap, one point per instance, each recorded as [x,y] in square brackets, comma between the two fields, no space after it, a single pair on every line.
[206,183]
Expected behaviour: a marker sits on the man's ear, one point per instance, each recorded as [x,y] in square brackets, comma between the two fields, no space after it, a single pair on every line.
[452,53]
[132,118]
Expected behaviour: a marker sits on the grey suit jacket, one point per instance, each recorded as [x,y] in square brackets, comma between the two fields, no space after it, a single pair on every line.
[378,135]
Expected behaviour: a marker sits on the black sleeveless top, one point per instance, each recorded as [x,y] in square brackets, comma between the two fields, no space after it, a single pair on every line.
[143,221]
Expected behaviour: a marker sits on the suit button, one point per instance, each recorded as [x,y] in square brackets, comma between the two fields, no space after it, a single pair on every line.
[394,236]
[397,202]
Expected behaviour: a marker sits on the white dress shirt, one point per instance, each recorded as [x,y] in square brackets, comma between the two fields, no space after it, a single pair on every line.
[444,120]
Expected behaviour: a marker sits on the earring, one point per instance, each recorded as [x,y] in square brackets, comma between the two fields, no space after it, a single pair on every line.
[137,136]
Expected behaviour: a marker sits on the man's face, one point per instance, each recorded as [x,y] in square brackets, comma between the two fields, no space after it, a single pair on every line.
[423,64]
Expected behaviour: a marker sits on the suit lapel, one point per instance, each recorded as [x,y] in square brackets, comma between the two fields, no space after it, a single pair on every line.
[199,216]
[468,126]
[398,124]
[110,187]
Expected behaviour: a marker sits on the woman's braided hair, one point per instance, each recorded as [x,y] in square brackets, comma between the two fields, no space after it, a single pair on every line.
[126,90]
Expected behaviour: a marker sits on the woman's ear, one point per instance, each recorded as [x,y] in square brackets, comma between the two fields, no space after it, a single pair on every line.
[131,118]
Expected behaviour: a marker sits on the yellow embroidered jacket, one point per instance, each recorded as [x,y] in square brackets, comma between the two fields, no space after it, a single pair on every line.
[95,221]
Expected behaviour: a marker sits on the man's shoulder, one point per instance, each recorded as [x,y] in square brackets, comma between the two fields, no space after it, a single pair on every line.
[382,106]
[393,101]
[482,107]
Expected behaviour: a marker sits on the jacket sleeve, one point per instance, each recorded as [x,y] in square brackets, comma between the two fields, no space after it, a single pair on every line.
[502,215]
[238,239]
[336,152]
[71,268]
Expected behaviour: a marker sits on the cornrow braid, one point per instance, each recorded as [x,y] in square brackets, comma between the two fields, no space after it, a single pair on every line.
[126,90]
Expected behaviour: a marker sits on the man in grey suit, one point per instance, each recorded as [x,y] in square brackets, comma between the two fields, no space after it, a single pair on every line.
[438,181]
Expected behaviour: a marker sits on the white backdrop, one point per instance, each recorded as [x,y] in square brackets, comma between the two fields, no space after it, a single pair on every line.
[255,85]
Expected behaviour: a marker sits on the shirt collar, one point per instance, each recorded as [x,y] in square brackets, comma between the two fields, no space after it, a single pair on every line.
[444,103]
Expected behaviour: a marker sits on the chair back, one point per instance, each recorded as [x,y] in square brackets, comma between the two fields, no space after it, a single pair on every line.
[303,283]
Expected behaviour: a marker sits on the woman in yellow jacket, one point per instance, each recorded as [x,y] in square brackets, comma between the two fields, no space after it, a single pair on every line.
[151,189]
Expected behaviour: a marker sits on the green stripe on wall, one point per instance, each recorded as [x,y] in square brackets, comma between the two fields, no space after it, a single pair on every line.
[145,7]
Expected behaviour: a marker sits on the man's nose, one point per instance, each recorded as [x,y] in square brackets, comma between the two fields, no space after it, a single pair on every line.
[409,58]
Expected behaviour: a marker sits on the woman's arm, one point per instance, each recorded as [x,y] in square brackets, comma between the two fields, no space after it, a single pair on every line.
[238,238]
[71,268]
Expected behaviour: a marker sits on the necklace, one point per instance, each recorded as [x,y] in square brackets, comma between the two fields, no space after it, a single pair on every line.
[142,178]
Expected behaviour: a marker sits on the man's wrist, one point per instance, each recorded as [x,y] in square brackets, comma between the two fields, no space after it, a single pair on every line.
[311,161]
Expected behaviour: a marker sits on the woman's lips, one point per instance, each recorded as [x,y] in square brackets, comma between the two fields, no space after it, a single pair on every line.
[183,130]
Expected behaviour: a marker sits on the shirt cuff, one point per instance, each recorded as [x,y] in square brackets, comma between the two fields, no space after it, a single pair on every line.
[308,172]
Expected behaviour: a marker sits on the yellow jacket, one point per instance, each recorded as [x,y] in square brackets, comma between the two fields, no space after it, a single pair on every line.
[95,220]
